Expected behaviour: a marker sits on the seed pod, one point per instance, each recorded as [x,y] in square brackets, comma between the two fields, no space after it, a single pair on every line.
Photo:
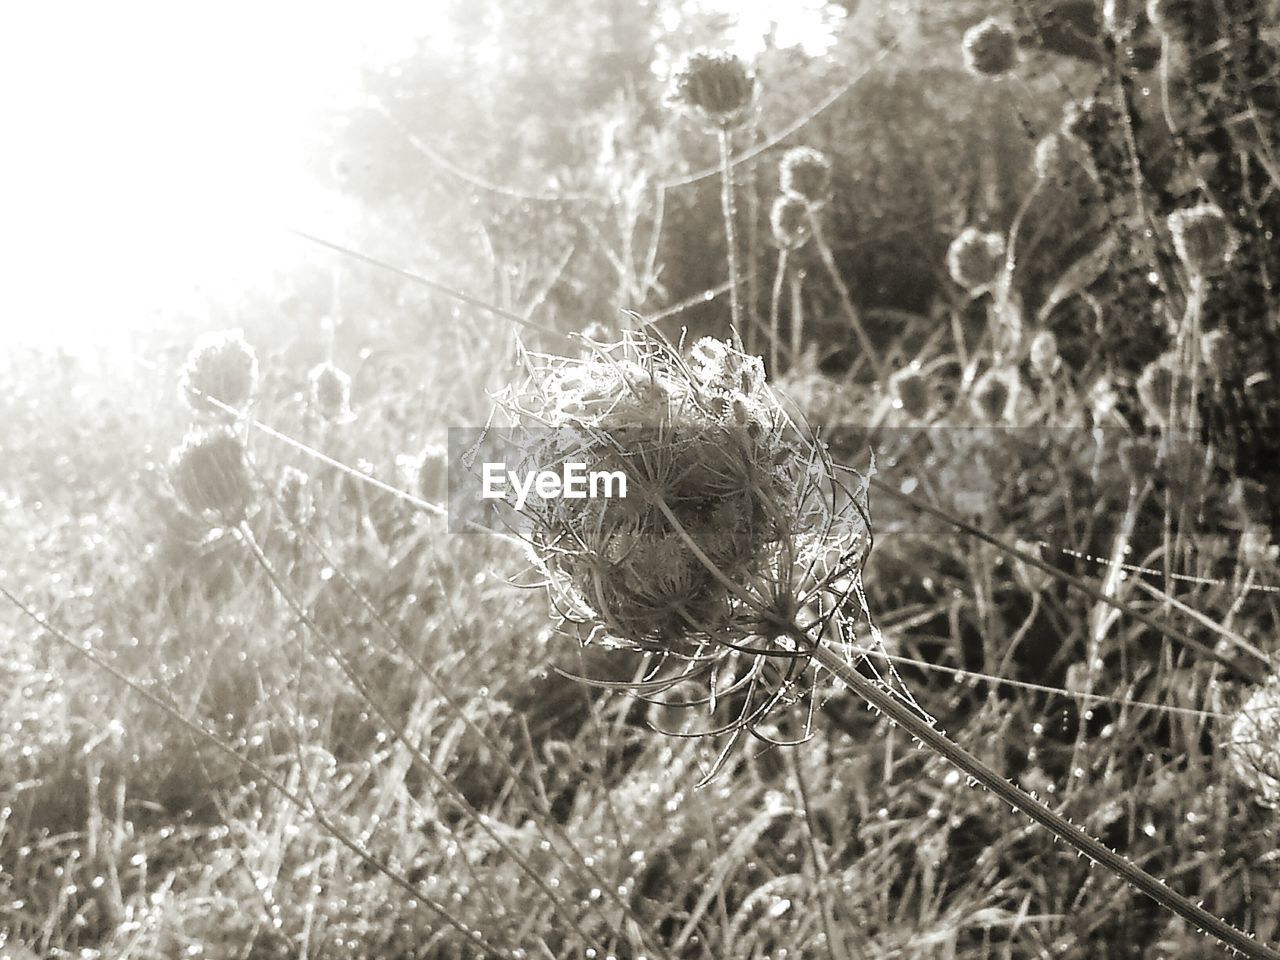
[210,474]
[789,221]
[975,258]
[911,392]
[716,87]
[1156,386]
[330,393]
[222,366]
[995,395]
[806,173]
[1202,238]
[1253,746]
[990,49]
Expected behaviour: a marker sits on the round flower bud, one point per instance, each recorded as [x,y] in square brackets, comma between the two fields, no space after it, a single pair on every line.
[975,258]
[911,392]
[1045,360]
[210,473]
[1253,746]
[789,221]
[806,173]
[995,395]
[1156,387]
[221,367]
[330,393]
[715,86]
[293,493]
[1202,238]
[990,49]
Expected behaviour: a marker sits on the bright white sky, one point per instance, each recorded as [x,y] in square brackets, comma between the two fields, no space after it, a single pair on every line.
[153,151]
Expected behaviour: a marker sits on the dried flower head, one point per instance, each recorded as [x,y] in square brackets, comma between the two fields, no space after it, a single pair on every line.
[293,494]
[1253,746]
[1043,354]
[910,391]
[990,49]
[806,173]
[330,393]
[209,472]
[715,86]
[975,258]
[1156,389]
[789,221]
[995,395]
[1202,238]
[721,489]
[222,366]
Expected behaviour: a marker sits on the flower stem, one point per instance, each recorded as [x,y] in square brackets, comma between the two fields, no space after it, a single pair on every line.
[869,351]
[730,236]
[924,731]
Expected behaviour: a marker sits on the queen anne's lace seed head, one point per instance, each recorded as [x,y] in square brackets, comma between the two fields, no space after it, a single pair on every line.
[330,393]
[210,474]
[222,366]
[1202,238]
[806,173]
[975,258]
[789,222]
[990,49]
[719,481]
[1253,745]
[715,86]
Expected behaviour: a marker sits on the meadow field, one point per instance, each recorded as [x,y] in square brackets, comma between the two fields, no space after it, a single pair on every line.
[940,344]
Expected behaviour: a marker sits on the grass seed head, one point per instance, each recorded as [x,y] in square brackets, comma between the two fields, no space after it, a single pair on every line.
[293,493]
[222,366]
[1253,745]
[330,393]
[1202,238]
[789,221]
[806,173]
[975,258]
[715,86]
[210,473]
[990,49]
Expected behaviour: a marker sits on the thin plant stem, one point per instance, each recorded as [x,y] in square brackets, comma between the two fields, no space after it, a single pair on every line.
[775,302]
[905,716]
[730,236]
[869,352]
